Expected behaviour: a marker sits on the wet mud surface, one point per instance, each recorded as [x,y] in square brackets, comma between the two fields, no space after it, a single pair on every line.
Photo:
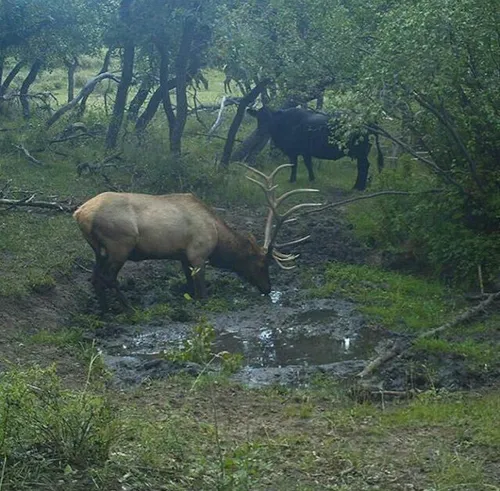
[285,338]
[278,343]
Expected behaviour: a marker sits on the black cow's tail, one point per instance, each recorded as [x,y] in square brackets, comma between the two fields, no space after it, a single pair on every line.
[380,155]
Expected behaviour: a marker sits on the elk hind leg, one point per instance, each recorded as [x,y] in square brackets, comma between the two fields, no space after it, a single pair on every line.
[188,273]
[105,276]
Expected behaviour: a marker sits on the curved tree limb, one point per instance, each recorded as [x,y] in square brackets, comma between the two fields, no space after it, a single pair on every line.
[444,119]
[87,89]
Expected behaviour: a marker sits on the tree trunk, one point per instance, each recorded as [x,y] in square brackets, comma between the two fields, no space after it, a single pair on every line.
[121,96]
[165,88]
[10,77]
[238,118]
[104,69]
[71,66]
[28,81]
[139,98]
[153,105]
[251,147]
[2,61]
[148,113]
[181,66]
[87,89]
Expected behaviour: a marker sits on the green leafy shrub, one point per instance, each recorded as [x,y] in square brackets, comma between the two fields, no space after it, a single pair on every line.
[438,232]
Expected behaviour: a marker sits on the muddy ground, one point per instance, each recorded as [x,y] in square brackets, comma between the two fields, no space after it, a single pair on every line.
[287,337]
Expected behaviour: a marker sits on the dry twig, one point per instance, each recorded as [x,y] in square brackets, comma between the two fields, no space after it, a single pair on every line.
[30,201]
[30,157]
[401,346]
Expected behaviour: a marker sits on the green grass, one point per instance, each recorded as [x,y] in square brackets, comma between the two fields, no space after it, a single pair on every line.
[181,435]
[398,301]
[35,249]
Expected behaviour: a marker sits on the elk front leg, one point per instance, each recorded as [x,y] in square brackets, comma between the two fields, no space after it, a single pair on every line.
[195,277]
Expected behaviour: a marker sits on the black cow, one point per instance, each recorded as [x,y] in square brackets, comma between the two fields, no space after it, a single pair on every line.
[298,131]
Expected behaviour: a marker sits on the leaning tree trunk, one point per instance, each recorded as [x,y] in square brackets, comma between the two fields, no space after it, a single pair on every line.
[10,77]
[139,99]
[121,95]
[27,83]
[233,129]
[152,106]
[250,147]
[148,113]
[165,87]
[104,69]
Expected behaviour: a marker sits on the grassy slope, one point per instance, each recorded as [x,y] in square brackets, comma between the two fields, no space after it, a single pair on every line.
[208,434]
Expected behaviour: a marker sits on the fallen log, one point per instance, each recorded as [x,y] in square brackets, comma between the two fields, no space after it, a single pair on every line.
[401,346]
[30,201]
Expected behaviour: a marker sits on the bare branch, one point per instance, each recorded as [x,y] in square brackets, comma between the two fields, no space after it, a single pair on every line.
[445,121]
[218,121]
[373,195]
[401,346]
[30,157]
[29,201]
[381,131]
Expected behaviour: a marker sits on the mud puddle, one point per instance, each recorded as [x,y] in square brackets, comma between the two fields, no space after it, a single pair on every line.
[279,343]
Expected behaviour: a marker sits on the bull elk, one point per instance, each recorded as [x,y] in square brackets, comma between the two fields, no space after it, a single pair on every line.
[125,226]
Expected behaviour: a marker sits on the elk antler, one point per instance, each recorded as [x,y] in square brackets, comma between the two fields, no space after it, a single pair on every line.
[275,219]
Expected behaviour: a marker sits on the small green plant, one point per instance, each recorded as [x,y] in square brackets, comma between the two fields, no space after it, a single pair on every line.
[198,348]
[60,338]
[139,316]
[231,362]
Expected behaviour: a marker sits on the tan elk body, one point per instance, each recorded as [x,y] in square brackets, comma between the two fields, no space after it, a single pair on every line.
[128,226]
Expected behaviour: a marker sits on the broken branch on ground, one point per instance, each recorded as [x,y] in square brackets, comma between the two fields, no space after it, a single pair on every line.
[30,157]
[401,346]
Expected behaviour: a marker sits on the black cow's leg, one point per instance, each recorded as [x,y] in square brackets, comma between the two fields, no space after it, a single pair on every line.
[363,165]
[309,165]
[293,162]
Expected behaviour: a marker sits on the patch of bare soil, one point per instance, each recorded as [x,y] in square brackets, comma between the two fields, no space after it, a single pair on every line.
[51,310]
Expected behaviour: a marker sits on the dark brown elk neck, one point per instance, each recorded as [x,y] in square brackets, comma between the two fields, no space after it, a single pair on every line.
[232,249]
